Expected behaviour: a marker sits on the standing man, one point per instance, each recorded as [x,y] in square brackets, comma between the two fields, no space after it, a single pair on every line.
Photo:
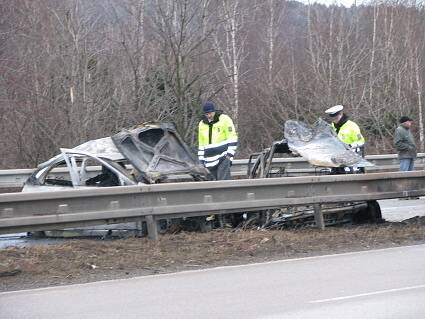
[405,144]
[217,140]
[348,132]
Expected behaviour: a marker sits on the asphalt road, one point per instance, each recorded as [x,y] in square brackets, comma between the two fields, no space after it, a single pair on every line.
[388,283]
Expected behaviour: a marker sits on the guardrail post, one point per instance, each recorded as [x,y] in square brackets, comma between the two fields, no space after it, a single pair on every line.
[318,216]
[141,228]
[152,227]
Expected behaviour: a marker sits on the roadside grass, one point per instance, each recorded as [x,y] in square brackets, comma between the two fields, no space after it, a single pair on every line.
[83,260]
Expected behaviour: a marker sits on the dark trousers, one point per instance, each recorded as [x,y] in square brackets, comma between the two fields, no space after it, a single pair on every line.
[222,170]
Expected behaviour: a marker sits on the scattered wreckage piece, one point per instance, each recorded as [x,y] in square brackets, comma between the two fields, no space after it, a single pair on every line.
[321,147]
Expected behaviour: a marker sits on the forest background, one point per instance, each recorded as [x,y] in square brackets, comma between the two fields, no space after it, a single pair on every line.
[74,70]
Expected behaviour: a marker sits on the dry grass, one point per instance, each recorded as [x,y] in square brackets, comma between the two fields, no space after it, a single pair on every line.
[87,260]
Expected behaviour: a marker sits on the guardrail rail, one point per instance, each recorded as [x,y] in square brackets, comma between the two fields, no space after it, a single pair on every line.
[111,205]
[293,166]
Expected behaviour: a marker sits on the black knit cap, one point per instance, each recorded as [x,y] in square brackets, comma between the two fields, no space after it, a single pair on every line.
[208,107]
[405,119]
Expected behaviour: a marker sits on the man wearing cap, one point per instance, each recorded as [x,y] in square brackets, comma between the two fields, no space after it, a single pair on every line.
[217,141]
[405,144]
[348,132]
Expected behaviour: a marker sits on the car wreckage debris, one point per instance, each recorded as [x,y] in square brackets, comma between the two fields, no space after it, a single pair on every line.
[320,146]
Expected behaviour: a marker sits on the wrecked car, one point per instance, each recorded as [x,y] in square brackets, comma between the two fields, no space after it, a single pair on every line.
[150,153]
[147,154]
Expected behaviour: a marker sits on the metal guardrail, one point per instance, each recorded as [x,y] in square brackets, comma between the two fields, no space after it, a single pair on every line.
[111,205]
[299,164]
[293,165]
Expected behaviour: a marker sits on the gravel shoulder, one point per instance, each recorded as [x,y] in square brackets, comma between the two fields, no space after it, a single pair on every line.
[87,260]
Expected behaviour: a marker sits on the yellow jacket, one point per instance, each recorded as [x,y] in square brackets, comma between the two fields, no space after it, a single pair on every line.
[216,140]
[350,133]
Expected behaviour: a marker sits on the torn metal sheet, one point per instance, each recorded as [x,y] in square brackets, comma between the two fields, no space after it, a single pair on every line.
[156,152]
[320,146]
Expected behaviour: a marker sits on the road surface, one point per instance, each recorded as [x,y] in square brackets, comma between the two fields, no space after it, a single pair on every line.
[388,283]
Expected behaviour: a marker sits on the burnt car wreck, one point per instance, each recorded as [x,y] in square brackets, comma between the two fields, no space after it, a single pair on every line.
[149,153]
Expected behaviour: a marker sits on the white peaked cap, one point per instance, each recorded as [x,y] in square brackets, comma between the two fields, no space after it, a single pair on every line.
[334,109]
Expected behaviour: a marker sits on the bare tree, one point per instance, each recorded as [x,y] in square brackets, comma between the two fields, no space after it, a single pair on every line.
[229,46]
[76,70]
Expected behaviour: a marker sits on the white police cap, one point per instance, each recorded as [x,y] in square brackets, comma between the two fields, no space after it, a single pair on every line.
[334,109]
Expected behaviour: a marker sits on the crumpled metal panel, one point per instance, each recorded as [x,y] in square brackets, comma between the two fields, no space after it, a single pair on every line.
[157,151]
[320,146]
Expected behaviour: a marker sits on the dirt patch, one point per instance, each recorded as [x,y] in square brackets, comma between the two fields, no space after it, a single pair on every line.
[78,261]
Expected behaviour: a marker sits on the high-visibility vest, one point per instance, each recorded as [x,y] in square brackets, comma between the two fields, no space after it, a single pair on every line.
[350,134]
[216,140]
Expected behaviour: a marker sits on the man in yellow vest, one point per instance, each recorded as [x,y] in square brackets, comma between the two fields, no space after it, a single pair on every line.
[217,141]
[347,131]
